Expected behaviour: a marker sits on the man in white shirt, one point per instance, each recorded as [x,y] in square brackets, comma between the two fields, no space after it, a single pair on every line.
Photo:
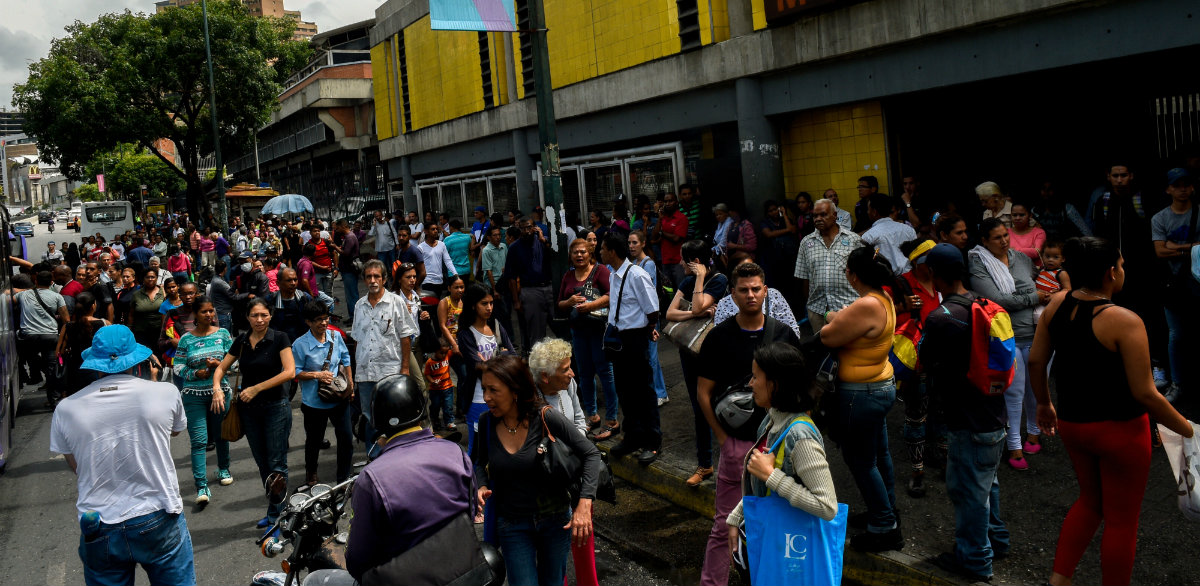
[415,228]
[886,234]
[115,434]
[385,237]
[437,260]
[633,311]
[383,327]
[51,255]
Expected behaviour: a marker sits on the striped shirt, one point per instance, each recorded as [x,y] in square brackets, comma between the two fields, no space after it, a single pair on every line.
[192,355]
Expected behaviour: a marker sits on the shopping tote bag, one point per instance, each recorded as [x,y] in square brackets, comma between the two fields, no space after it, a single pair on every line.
[790,546]
[1184,456]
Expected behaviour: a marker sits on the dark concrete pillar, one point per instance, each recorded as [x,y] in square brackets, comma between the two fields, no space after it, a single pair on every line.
[761,153]
[410,184]
[527,187]
[741,18]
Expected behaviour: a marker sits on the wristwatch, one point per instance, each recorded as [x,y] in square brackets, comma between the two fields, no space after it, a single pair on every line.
[908,204]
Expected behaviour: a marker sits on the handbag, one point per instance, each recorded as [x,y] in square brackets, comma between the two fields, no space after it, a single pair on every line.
[1184,456]
[689,334]
[335,391]
[787,545]
[231,424]
[612,334]
[557,461]
[591,293]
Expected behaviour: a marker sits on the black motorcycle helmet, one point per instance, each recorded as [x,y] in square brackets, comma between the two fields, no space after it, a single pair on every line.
[398,404]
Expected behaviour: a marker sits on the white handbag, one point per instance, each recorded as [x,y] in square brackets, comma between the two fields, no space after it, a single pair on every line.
[1184,455]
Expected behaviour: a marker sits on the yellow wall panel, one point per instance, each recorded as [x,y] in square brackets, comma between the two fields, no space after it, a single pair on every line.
[833,147]
[758,14]
[589,38]
[381,84]
[443,74]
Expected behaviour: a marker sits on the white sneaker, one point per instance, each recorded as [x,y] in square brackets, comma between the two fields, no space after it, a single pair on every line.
[1171,393]
[663,401]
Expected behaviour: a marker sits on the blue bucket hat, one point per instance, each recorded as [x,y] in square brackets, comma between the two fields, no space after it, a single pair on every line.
[114,349]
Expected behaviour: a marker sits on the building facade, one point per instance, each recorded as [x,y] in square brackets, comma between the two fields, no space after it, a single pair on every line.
[321,141]
[757,100]
[273,8]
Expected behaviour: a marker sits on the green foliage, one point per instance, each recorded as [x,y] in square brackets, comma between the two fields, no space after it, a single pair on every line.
[136,78]
[88,192]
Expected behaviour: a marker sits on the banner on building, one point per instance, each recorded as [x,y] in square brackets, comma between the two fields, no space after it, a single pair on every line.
[789,9]
[472,15]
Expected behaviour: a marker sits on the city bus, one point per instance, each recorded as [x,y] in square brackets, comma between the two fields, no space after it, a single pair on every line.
[8,339]
[109,218]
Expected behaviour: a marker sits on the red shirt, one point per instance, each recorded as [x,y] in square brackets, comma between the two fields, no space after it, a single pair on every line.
[71,289]
[929,301]
[322,256]
[676,224]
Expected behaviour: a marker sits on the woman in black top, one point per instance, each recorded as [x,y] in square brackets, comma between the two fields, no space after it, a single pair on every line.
[534,521]
[265,362]
[1102,374]
[71,256]
[76,337]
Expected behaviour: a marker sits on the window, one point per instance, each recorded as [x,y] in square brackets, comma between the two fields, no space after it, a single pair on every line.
[107,214]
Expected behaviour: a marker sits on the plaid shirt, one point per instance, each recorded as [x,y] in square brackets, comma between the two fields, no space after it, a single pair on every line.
[824,267]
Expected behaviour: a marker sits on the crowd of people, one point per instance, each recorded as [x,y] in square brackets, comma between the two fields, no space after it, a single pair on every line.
[248,318]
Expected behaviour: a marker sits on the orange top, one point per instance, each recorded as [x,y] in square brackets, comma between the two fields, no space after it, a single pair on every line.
[865,360]
[438,374]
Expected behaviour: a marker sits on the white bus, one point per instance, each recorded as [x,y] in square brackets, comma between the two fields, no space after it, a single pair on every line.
[109,218]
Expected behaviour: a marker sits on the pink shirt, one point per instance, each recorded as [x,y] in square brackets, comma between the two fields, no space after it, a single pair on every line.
[207,245]
[1030,243]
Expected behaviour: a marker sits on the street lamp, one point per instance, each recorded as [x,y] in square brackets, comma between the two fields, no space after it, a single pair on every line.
[223,216]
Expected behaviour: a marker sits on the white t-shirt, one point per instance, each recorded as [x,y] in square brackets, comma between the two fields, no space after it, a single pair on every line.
[487,349]
[119,431]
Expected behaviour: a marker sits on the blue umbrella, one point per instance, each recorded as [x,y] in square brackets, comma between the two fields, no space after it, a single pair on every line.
[288,203]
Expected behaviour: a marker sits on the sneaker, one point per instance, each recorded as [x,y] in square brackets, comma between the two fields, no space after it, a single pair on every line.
[451,427]
[949,562]
[663,401]
[1171,393]
[224,477]
[1160,377]
[916,485]
[877,542]
[699,476]
[203,496]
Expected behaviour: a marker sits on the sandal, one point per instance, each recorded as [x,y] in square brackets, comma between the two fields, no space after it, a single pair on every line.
[594,423]
[607,433]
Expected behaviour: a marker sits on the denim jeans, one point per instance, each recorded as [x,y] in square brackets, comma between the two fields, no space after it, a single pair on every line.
[225,320]
[203,424]
[588,346]
[921,423]
[350,285]
[660,384]
[387,257]
[729,494]
[267,427]
[473,415]
[441,406]
[862,414]
[1181,341]
[364,392]
[159,541]
[535,549]
[974,488]
[325,282]
[315,420]
[700,426]
[1018,397]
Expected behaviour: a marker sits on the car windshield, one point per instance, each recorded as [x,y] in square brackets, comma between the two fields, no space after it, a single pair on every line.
[106,214]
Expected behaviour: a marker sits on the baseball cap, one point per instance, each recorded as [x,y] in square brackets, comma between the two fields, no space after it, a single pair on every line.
[945,260]
[481,209]
[1177,174]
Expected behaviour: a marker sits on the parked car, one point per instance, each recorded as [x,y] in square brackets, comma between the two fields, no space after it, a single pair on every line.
[23,229]
[43,217]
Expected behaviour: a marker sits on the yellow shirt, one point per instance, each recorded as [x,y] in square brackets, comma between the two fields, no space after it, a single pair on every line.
[865,360]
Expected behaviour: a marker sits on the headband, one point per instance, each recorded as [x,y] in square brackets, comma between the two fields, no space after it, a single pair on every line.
[921,248]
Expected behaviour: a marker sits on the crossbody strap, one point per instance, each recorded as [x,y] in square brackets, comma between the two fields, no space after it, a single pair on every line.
[621,290]
[49,311]
[329,354]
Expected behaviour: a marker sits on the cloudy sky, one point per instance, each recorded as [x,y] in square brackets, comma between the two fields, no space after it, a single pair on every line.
[26,37]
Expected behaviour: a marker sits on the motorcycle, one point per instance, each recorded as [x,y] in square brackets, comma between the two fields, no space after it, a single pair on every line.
[309,524]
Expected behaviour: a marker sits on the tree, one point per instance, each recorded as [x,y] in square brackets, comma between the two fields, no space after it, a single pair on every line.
[127,168]
[88,192]
[133,78]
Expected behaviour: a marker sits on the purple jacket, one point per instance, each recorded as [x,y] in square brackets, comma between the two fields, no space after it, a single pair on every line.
[408,493]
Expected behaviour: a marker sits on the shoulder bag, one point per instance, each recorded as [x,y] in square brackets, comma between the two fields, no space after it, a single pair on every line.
[335,391]
[688,334]
[591,293]
[557,462]
[612,334]
[231,424]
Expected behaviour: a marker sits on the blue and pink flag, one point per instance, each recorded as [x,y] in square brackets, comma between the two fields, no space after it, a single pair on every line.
[472,15]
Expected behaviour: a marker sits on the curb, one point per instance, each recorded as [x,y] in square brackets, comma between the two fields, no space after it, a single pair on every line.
[891,567]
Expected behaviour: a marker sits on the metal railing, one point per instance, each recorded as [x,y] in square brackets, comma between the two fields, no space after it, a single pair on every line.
[326,59]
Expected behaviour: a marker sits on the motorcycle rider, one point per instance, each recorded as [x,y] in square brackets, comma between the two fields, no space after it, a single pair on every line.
[389,522]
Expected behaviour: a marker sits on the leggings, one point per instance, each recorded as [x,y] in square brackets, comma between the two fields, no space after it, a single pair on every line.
[1112,464]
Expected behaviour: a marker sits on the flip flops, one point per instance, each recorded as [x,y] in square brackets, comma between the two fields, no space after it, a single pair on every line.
[608,432]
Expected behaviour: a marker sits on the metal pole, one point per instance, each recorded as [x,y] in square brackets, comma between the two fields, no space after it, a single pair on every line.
[4,173]
[223,212]
[547,132]
[257,171]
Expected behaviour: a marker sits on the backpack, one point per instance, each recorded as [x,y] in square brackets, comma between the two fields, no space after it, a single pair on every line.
[993,363]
